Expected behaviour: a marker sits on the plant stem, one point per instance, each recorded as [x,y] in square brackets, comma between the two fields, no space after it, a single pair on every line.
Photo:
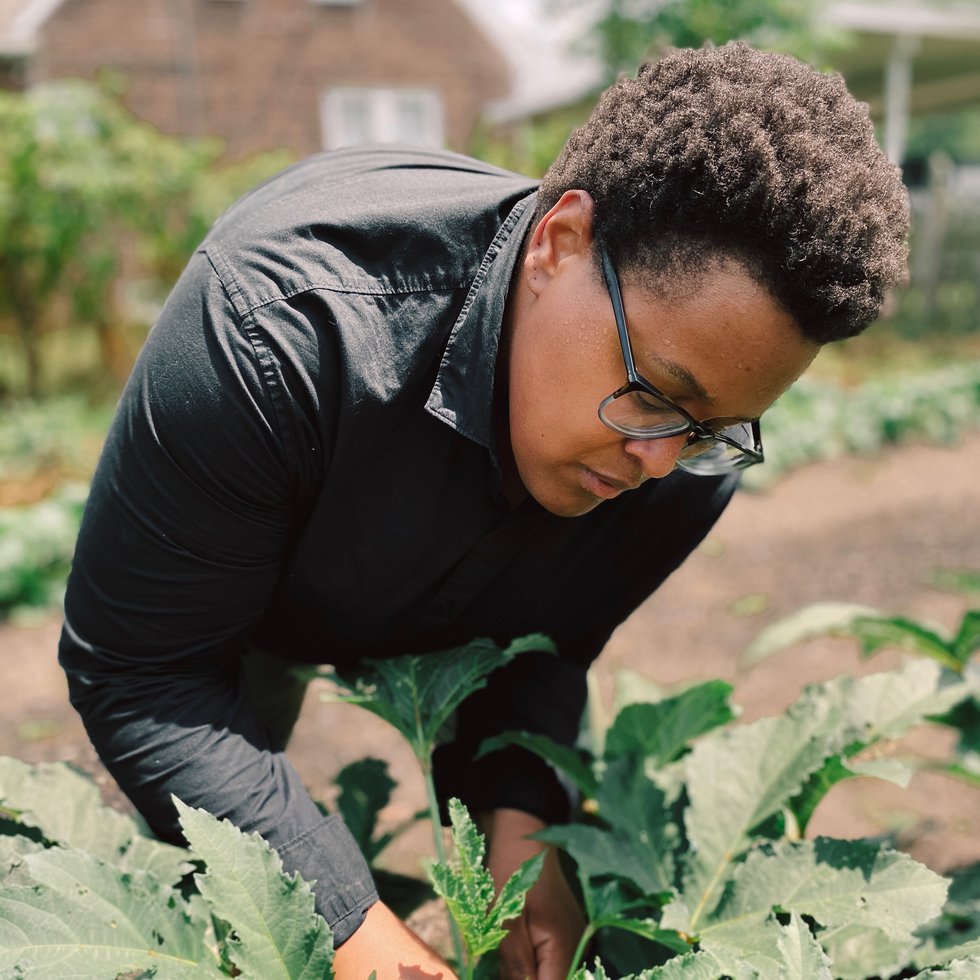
[587,935]
[430,789]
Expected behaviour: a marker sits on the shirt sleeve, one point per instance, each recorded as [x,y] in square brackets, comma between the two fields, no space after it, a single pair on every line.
[189,517]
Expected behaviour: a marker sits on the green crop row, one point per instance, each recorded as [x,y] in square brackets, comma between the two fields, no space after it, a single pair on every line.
[816,420]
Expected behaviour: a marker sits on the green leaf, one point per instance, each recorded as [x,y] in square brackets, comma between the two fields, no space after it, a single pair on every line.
[737,778]
[888,705]
[613,903]
[699,966]
[804,803]
[802,955]
[276,930]
[662,731]
[965,718]
[418,694]
[467,888]
[853,889]
[967,640]
[956,932]
[818,619]
[66,807]
[967,968]
[896,632]
[868,710]
[641,838]
[561,757]
[770,949]
[82,917]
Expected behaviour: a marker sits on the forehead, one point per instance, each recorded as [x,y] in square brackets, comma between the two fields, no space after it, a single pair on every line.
[715,334]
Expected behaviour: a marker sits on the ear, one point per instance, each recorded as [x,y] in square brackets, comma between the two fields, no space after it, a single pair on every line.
[565,231]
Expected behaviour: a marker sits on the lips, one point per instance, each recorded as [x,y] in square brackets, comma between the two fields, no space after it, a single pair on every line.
[604,486]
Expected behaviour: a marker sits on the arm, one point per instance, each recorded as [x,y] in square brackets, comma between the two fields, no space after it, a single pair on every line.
[181,547]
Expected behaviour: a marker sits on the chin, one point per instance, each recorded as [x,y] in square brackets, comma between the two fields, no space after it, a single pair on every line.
[567,507]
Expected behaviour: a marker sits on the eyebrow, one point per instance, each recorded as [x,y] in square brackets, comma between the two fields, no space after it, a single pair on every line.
[680,373]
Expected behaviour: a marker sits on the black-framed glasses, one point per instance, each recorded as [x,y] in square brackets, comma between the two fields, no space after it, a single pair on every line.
[640,410]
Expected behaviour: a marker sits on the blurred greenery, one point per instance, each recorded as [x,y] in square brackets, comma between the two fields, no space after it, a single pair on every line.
[36,545]
[818,420]
[91,197]
[625,33]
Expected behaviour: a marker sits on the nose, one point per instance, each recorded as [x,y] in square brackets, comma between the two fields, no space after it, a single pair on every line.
[657,457]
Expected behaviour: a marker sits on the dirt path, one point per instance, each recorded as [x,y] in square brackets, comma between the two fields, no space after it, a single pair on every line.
[866,531]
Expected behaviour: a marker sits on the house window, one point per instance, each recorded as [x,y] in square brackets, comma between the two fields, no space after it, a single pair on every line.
[350,116]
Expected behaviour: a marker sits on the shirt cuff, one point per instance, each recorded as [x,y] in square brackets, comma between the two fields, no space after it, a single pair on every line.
[329,859]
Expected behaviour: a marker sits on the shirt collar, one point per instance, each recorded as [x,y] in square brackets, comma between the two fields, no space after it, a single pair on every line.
[462,395]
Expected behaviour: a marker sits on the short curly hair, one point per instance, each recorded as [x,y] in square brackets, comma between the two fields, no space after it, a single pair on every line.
[735,153]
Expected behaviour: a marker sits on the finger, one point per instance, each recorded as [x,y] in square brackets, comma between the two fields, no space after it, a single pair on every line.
[517,958]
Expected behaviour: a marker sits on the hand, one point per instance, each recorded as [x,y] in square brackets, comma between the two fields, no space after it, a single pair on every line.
[384,945]
[542,941]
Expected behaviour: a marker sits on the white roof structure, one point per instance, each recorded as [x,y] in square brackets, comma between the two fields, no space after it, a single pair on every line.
[550,68]
[19,23]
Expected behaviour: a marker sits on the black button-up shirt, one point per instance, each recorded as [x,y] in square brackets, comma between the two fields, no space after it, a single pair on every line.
[304,461]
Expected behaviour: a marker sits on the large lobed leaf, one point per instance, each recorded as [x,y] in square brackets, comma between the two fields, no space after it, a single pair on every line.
[68,914]
[65,807]
[771,949]
[418,694]
[736,779]
[277,934]
[739,777]
[852,889]
[871,709]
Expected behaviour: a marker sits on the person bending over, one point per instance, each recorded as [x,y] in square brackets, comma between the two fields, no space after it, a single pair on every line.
[400,399]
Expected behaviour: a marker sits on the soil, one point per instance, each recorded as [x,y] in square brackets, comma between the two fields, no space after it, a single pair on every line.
[860,530]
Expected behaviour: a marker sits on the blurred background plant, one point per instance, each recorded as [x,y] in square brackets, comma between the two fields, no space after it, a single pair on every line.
[98,210]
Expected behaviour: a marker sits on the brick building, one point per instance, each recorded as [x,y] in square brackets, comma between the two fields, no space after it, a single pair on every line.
[301,74]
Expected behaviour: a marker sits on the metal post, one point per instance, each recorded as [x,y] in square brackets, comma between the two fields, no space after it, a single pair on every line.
[898,86]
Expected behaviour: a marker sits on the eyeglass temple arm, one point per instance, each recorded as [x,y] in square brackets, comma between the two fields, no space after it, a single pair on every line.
[616,296]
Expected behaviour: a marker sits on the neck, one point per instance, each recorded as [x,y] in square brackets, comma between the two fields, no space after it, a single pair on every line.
[511,486]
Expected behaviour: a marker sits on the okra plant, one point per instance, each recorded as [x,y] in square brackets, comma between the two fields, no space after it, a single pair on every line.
[418,696]
[86,892]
